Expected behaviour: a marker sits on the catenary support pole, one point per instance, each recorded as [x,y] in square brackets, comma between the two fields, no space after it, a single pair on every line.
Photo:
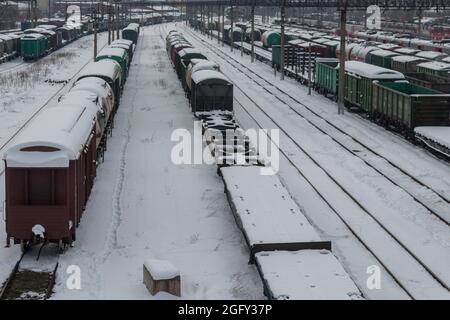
[253,31]
[343,34]
[282,49]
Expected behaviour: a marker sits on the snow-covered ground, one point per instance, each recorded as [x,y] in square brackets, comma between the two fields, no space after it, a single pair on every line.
[145,207]
[399,231]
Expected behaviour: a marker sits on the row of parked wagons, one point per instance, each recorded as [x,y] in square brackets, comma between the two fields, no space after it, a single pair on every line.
[51,164]
[388,97]
[277,243]
[207,88]
[34,43]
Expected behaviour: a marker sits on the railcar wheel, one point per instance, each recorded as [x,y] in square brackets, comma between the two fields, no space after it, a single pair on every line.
[23,246]
[61,246]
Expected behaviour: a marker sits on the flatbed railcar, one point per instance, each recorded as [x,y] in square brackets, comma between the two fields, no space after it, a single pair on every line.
[435,139]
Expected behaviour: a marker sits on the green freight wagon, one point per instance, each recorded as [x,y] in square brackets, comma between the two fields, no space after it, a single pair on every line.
[120,56]
[183,58]
[327,76]
[288,56]
[437,83]
[406,64]
[238,35]
[131,33]
[381,58]
[226,33]
[108,70]
[33,46]
[359,78]
[435,69]
[24,25]
[404,106]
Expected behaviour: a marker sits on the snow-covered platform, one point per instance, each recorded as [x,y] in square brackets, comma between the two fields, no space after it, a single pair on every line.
[436,138]
[266,213]
[305,275]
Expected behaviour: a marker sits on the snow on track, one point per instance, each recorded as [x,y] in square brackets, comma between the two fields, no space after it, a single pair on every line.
[144,207]
[420,235]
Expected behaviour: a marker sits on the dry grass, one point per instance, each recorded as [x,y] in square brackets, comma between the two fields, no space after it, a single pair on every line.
[38,71]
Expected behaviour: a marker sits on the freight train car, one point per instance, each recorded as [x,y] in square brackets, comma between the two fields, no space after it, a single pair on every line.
[120,56]
[359,78]
[33,46]
[109,71]
[437,83]
[131,32]
[51,161]
[211,91]
[404,106]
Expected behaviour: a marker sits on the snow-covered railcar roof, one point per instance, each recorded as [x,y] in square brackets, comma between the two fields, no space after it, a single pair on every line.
[268,213]
[95,85]
[204,75]
[104,68]
[430,54]
[405,59]
[371,71]
[65,128]
[187,51]
[30,36]
[406,51]
[124,42]
[204,65]
[108,51]
[305,275]
[296,41]
[47,26]
[437,66]
[119,46]
[383,53]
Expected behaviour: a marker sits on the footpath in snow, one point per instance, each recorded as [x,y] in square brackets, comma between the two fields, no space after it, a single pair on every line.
[145,207]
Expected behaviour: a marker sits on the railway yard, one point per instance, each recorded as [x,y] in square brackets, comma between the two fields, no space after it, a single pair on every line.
[171,150]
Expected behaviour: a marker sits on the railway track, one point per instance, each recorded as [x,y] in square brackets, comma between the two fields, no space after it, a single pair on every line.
[365,153]
[411,256]
[33,276]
